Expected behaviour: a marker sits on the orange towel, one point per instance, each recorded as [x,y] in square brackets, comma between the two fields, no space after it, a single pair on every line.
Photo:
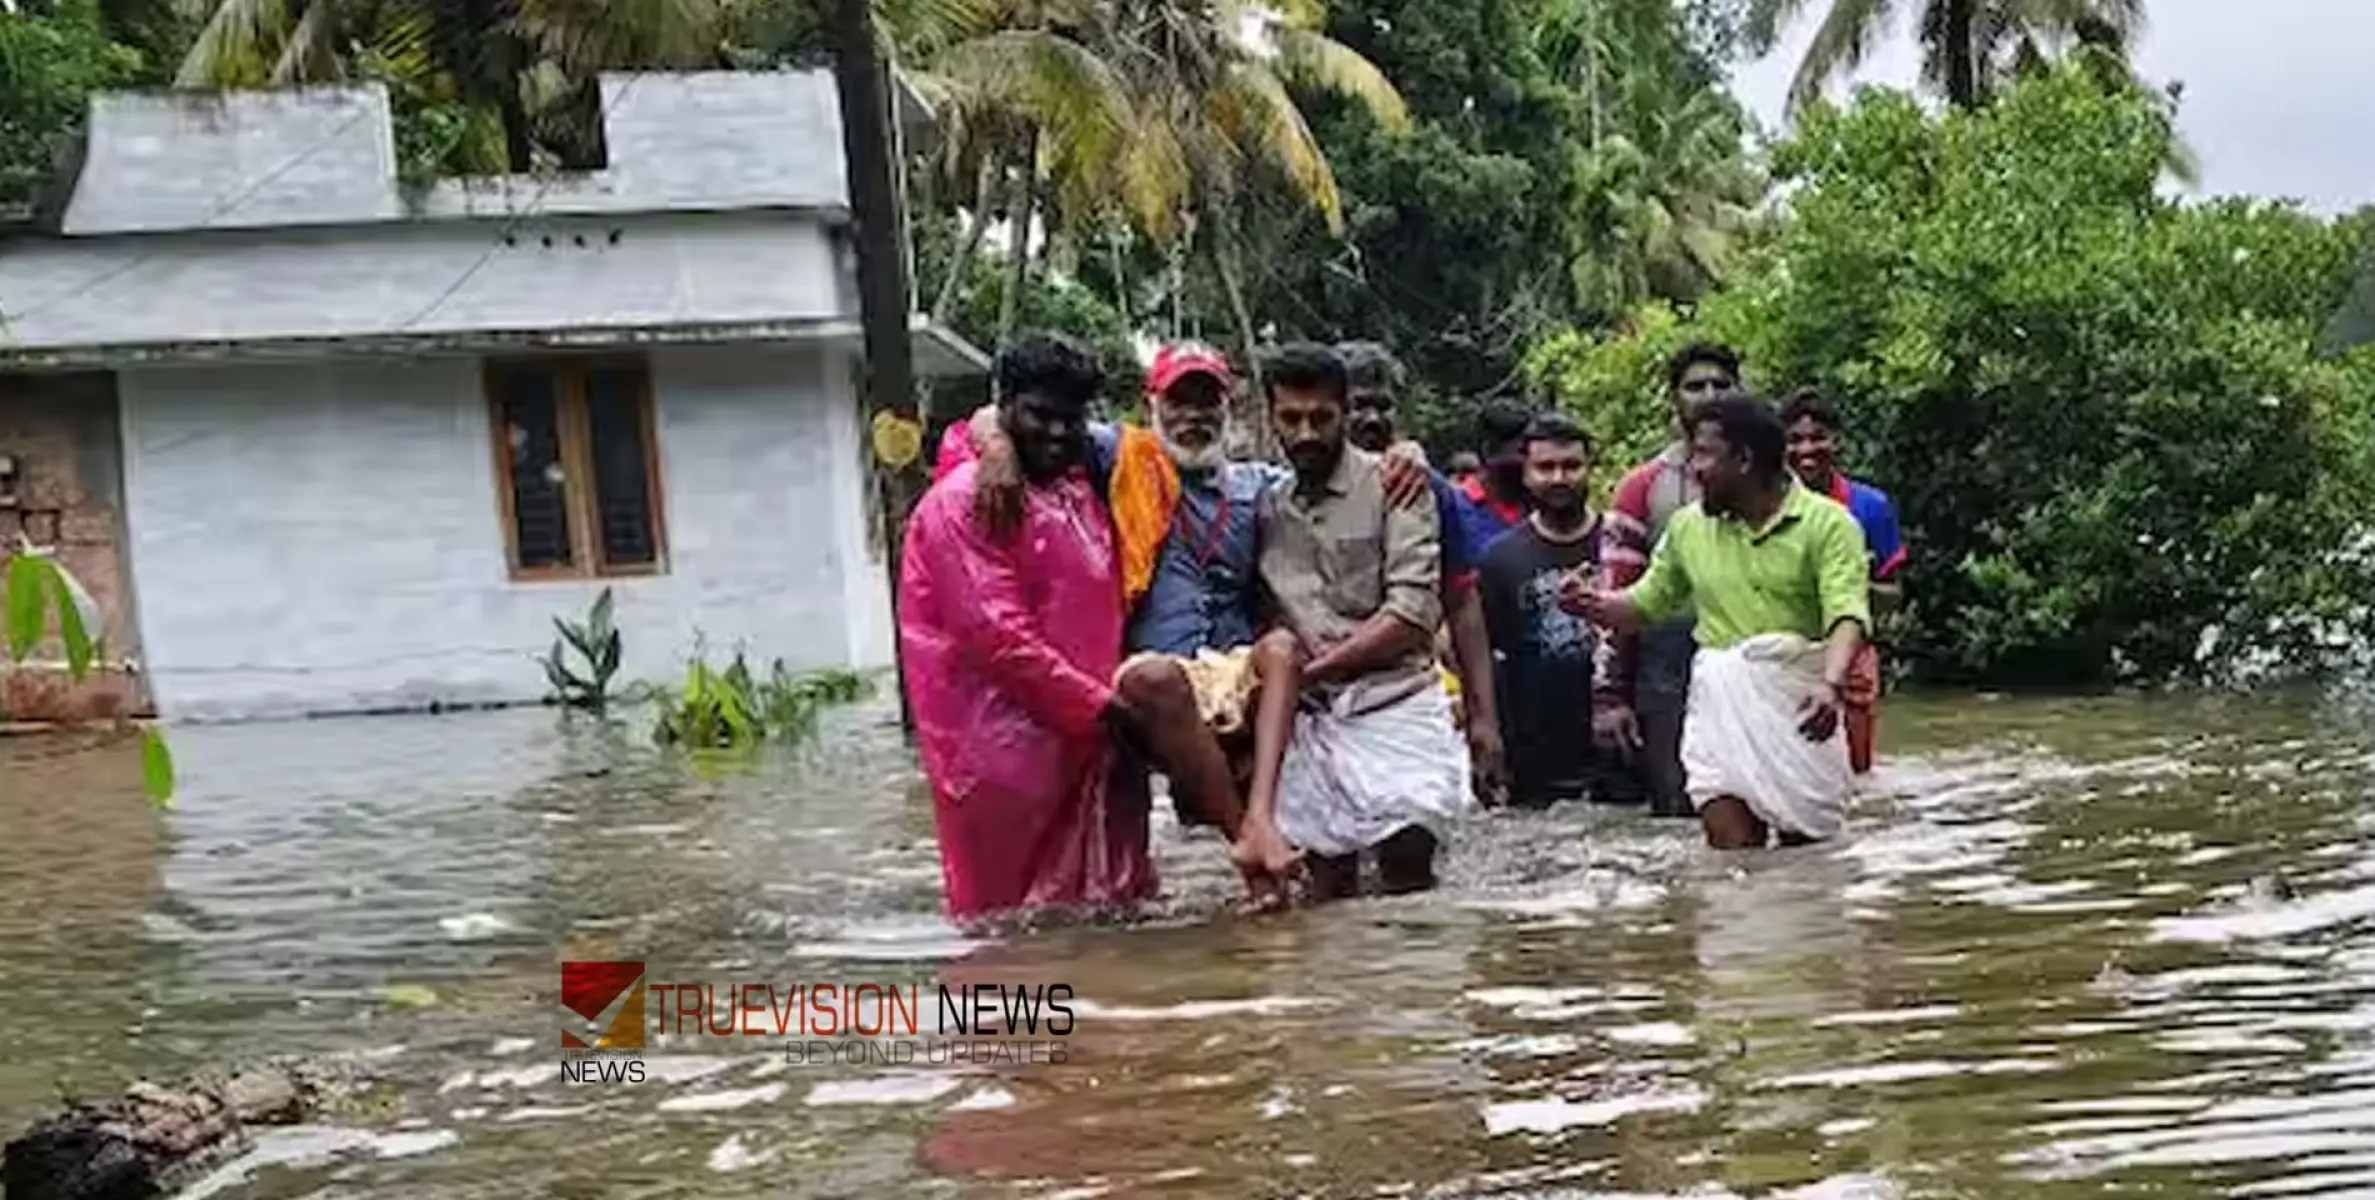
[1145,493]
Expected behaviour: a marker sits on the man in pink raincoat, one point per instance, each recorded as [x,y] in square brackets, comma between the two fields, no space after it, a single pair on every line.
[1010,647]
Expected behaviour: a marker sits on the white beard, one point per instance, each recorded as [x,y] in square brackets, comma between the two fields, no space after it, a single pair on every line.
[1202,458]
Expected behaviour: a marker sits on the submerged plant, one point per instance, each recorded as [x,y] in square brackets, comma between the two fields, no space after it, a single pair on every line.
[34,586]
[734,708]
[585,684]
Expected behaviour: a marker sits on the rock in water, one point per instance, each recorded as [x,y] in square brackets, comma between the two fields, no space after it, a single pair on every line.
[146,1142]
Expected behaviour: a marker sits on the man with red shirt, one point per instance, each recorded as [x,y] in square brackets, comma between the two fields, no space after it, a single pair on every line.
[1642,680]
[1813,457]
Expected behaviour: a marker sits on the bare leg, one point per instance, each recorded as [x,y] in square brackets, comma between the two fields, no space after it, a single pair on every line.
[1732,825]
[1278,668]
[1163,706]
[1406,862]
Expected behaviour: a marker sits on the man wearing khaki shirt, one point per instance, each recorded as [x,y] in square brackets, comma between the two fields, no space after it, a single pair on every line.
[1375,762]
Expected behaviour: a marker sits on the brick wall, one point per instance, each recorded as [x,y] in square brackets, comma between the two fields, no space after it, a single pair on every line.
[62,432]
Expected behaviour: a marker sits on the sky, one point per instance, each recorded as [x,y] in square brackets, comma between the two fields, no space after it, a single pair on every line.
[2279,100]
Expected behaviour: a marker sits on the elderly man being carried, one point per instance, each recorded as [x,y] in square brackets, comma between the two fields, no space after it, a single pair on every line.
[1216,703]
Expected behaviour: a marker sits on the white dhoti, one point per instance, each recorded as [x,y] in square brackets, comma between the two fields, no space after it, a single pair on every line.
[1740,737]
[1353,779]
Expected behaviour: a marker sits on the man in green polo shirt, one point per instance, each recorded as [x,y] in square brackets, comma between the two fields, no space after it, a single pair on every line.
[1778,579]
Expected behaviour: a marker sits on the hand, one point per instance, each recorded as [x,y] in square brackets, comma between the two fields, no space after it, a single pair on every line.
[1615,728]
[998,488]
[1818,713]
[1487,761]
[1406,474]
[1580,594]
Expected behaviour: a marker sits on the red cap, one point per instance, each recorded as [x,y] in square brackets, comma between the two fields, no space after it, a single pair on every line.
[1179,360]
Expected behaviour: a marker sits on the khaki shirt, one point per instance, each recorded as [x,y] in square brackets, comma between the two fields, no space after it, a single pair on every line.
[1334,560]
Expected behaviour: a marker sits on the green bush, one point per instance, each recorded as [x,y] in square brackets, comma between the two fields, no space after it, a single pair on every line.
[37,594]
[734,708]
[2114,449]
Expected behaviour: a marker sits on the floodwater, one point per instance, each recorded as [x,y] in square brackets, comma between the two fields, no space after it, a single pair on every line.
[2071,948]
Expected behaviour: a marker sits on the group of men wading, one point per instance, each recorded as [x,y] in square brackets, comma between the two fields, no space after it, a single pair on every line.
[1083,604]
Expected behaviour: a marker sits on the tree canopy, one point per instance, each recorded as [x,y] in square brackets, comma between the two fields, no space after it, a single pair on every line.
[2100,410]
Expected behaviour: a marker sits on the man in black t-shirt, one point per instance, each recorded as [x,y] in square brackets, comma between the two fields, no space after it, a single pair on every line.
[1542,653]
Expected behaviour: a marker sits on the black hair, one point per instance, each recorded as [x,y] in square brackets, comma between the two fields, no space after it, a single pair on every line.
[1807,404]
[1464,460]
[1701,352]
[1558,428]
[1306,367]
[1055,366]
[1502,425]
[1370,367]
[1749,426]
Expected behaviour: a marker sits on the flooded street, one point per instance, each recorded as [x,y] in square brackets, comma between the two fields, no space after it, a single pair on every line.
[2070,948]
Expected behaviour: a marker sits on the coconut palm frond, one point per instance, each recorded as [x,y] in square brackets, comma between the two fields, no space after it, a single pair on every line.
[586,36]
[310,51]
[1156,185]
[1266,124]
[238,44]
[1847,33]
[1322,62]
[1760,29]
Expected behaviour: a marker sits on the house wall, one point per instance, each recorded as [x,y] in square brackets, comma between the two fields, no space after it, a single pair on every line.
[422,278]
[312,538]
[179,161]
[61,430]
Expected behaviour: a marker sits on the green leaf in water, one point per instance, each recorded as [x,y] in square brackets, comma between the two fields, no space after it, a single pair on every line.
[409,995]
[25,591]
[71,630]
[156,768]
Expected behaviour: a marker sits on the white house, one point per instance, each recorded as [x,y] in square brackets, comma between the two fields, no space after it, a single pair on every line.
[322,446]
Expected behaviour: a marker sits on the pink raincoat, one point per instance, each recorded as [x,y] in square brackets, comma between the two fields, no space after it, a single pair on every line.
[1010,649]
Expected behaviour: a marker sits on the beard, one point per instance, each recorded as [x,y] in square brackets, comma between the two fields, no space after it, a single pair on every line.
[1207,457]
[1560,504]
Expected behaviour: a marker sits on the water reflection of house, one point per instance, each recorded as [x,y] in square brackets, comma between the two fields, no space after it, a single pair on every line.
[321,442]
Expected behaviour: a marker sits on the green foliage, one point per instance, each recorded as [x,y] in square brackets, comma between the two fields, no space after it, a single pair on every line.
[2099,410]
[36,592]
[735,709]
[51,61]
[1053,298]
[584,658]
[1567,159]
[438,135]
[1614,384]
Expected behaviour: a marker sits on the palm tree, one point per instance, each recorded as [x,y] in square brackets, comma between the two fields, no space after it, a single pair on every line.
[1154,115]
[1969,47]
[1217,118]
[1666,179]
[1028,109]
[1674,192]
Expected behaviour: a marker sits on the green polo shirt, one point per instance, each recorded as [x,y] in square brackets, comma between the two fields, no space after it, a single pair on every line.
[1803,573]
